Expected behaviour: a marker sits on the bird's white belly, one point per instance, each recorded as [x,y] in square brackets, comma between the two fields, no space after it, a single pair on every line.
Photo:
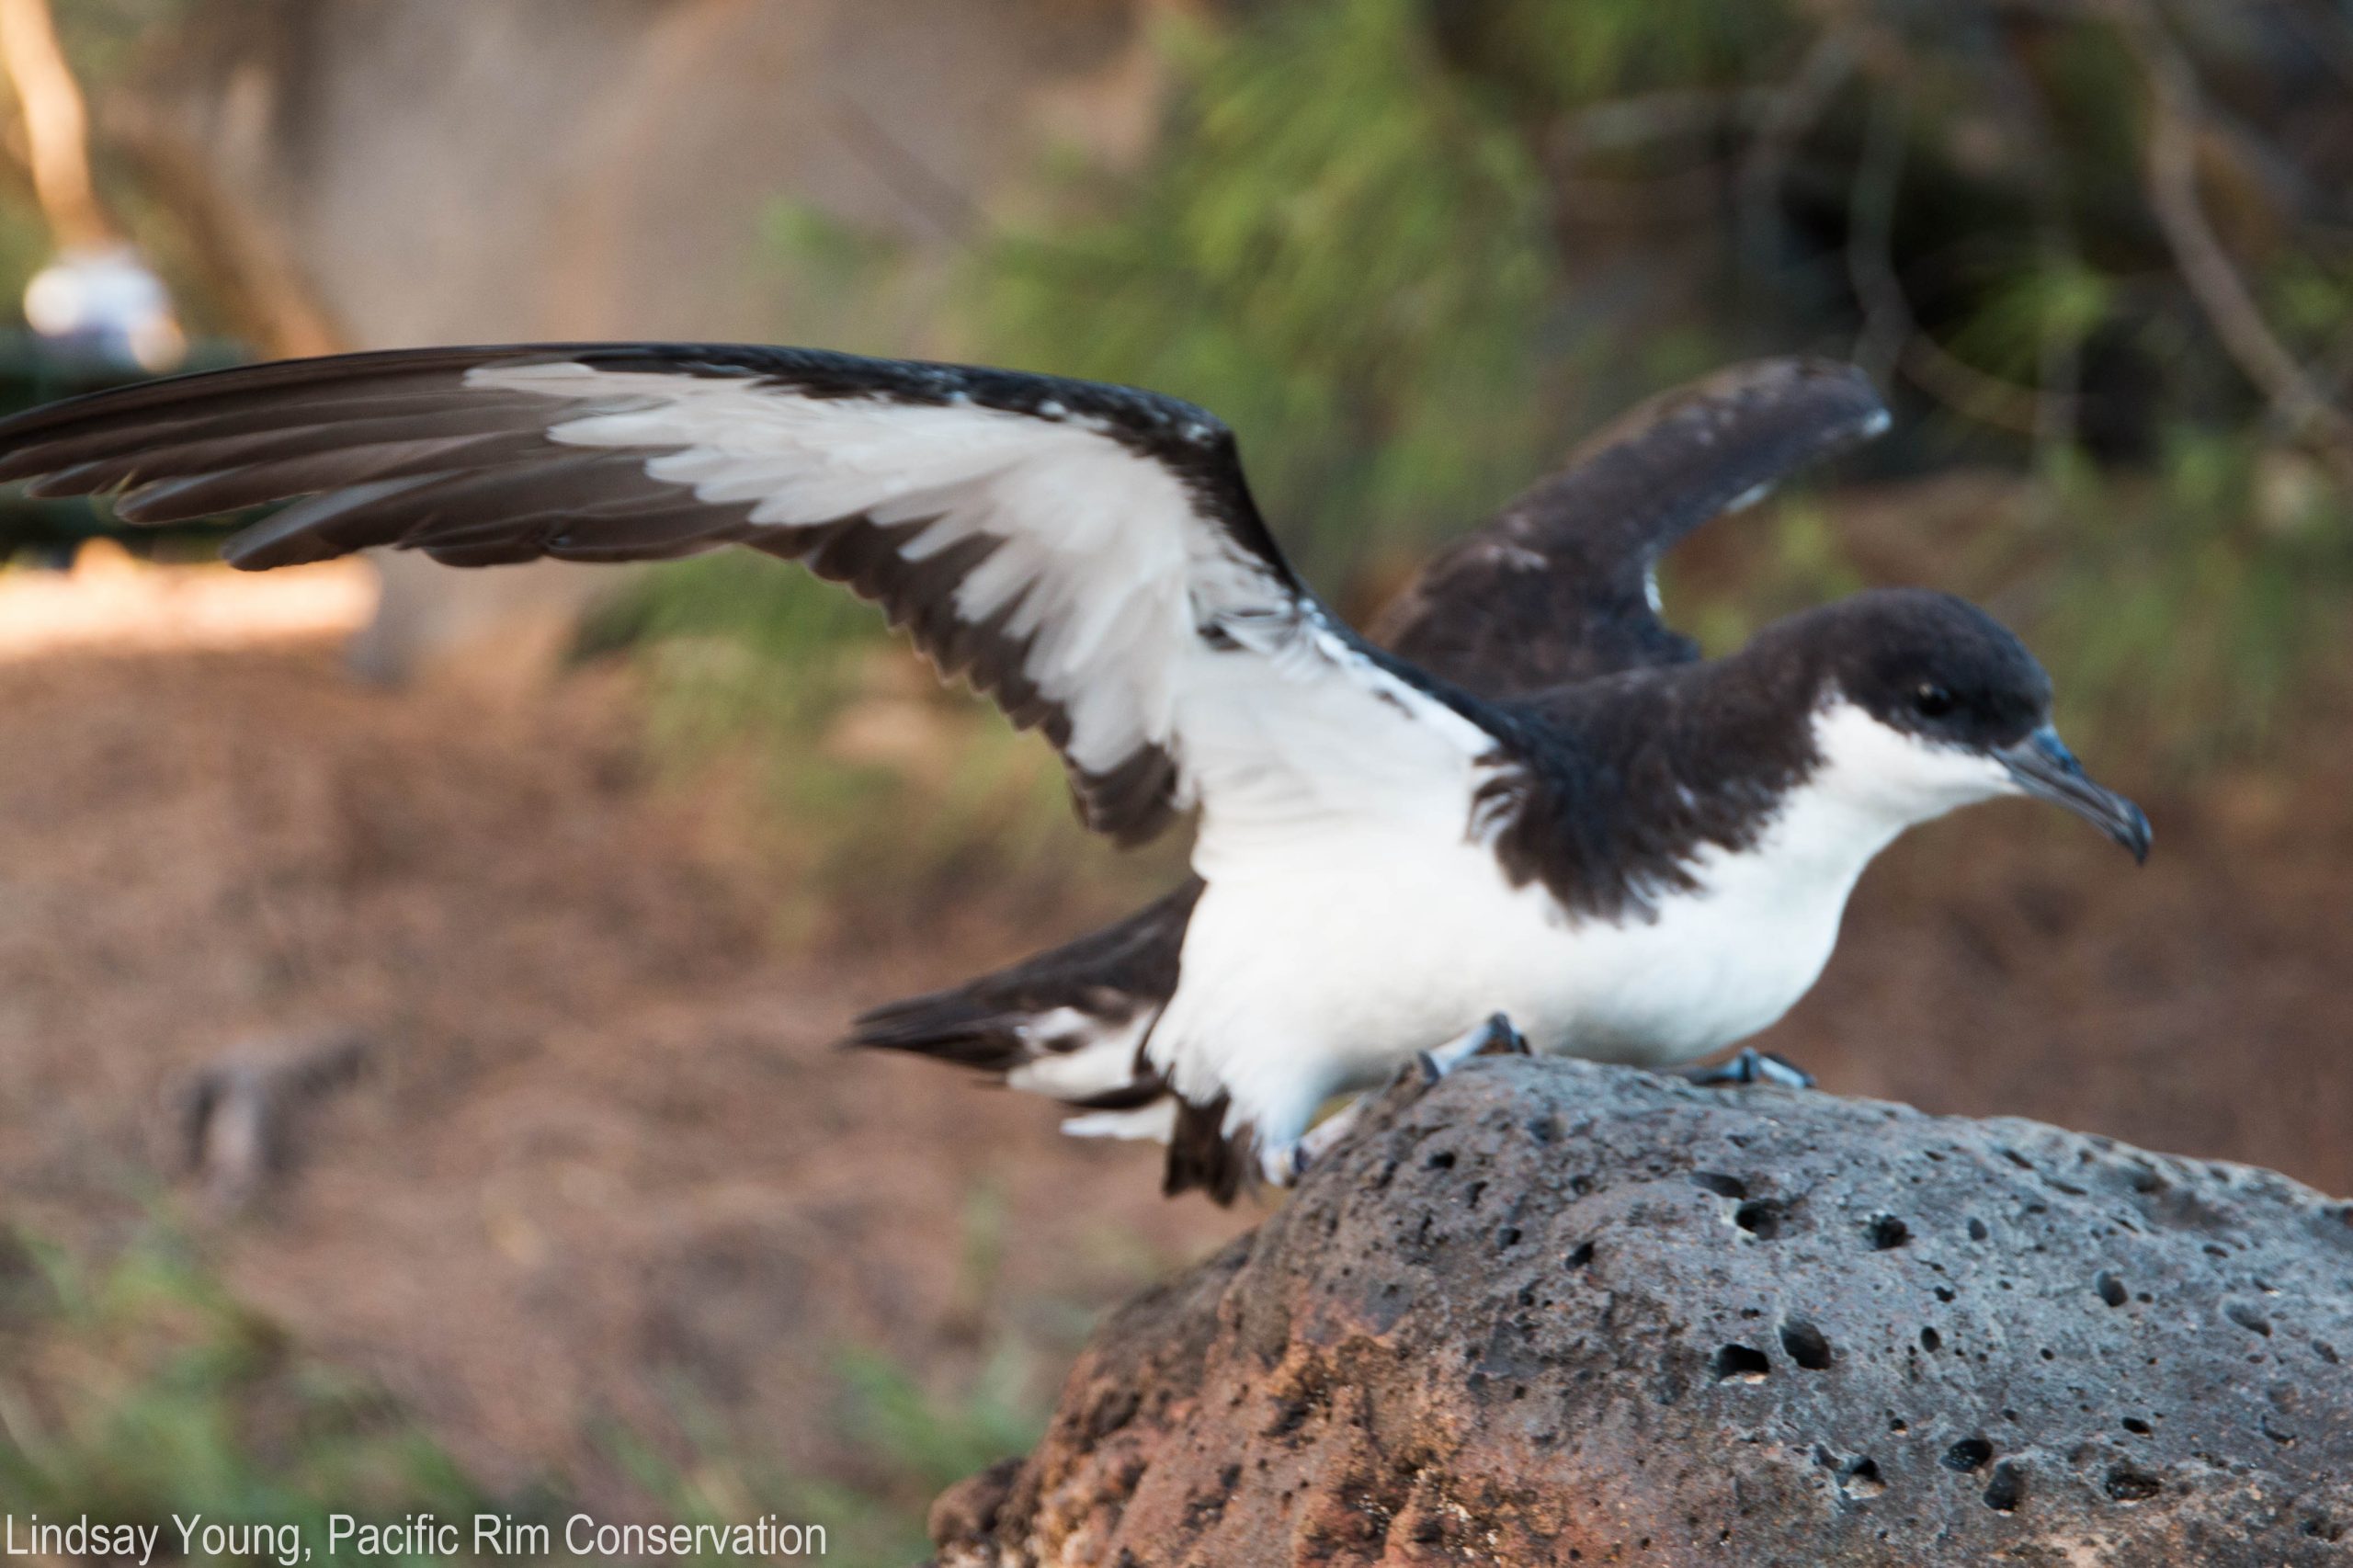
[1324,968]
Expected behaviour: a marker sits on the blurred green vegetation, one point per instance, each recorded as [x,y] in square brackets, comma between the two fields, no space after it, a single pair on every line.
[878,797]
[1337,246]
[1410,251]
[137,1389]
[2193,607]
[913,1443]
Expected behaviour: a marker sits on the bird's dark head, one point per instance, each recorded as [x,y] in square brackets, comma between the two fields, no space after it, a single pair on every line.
[1924,702]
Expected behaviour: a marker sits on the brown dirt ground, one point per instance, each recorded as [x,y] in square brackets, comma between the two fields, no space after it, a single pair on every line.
[604,1159]
[604,1155]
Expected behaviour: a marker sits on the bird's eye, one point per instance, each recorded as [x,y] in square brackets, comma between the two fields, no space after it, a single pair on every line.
[1932,701]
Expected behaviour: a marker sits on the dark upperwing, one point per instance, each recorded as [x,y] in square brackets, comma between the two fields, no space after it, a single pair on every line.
[1559,586]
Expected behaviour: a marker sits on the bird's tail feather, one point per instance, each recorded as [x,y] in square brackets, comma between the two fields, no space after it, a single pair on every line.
[963,1025]
[1057,1022]
[1071,1024]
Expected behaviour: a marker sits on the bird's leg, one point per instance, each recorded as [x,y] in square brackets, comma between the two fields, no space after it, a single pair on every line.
[1285,1163]
[1752,1066]
[1494,1037]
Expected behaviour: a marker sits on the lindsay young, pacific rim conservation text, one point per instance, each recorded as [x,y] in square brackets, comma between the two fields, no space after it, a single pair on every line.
[412,1536]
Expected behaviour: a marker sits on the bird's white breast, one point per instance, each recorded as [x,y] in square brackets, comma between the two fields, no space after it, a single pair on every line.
[1323,963]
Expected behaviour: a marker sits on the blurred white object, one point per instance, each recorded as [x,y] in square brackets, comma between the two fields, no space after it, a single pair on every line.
[105,303]
[97,300]
[111,603]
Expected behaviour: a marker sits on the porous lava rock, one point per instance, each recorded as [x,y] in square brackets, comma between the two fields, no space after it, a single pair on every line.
[1551,1313]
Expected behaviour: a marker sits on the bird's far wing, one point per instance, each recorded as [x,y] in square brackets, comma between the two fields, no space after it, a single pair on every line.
[1560,587]
[1089,556]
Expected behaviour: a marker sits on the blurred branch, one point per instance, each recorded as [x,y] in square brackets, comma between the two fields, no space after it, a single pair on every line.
[1641,121]
[932,196]
[2326,31]
[2175,118]
[1680,197]
[2058,373]
[1619,125]
[57,126]
[1891,335]
[1795,108]
[242,260]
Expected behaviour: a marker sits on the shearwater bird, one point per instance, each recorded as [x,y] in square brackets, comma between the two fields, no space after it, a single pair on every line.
[1537,807]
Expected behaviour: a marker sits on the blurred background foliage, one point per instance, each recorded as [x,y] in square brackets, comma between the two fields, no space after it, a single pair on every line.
[138,1390]
[1411,251]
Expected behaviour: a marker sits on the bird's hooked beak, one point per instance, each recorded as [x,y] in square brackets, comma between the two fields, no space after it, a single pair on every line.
[2045,768]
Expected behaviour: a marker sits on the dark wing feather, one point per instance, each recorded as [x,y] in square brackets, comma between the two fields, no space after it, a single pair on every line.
[1100,982]
[1559,588]
[1088,555]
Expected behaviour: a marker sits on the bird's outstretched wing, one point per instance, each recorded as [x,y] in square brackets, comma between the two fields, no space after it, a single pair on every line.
[1560,587]
[1088,555]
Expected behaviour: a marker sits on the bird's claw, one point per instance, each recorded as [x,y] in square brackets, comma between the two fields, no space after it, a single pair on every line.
[1496,1037]
[1503,1038]
[1284,1166]
[1752,1066]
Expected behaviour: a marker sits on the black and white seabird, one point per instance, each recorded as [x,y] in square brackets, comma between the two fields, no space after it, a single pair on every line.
[1537,801]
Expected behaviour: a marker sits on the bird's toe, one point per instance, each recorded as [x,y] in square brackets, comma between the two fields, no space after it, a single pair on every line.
[1504,1038]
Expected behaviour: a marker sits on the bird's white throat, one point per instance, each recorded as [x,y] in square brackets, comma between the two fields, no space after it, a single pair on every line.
[1874,780]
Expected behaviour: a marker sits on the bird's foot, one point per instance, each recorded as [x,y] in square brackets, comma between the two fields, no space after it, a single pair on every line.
[1496,1037]
[1285,1163]
[1752,1066]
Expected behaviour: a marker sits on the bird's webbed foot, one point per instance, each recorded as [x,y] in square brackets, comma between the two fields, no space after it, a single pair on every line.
[1496,1037]
[1284,1163]
[1752,1066]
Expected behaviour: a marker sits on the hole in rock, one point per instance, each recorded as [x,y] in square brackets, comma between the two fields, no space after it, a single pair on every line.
[1931,1340]
[1805,1344]
[1887,1233]
[2247,1318]
[1741,1362]
[2110,1289]
[1970,1453]
[1761,1218]
[1859,1477]
[2129,1484]
[2006,1490]
[1722,1186]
